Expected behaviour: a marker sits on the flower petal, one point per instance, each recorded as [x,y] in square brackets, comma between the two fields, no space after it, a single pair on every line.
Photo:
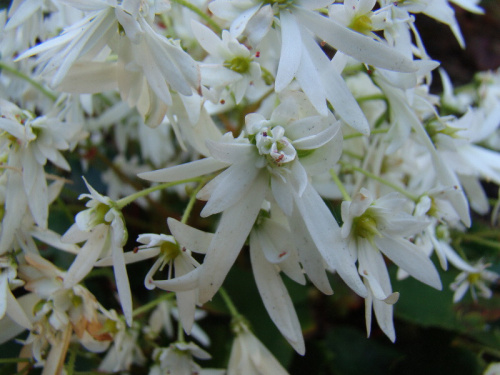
[410,258]
[184,171]
[355,44]
[192,238]
[275,297]
[291,50]
[325,233]
[234,226]
[234,183]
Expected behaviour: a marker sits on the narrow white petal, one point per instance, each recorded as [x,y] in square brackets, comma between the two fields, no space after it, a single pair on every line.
[324,158]
[231,152]
[478,199]
[282,194]
[87,256]
[184,171]
[8,328]
[208,40]
[4,290]
[122,283]
[35,184]
[16,312]
[90,77]
[54,239]
[186,301]
[337,92]
[372,267]
[384,315]
[25,10]
[12,127]
[460,291]
[455,259]
[234,227]
[240,23]
[368,311]
[130,257]
[317,140]
[259,25]
[238,179]
[291,50]
[325,233]
[183,283]
[310,81]
[275,297]
[410,258]
[309,256]
[75,235]
[189,237]
[298,177]
[355,44]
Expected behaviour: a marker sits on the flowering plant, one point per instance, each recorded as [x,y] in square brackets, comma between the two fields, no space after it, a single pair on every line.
[241,161]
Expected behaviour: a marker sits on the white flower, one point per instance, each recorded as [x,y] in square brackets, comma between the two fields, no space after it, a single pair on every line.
[229,63]
[249,356]
[272,249]
[125,350]
[178,359]
[440,10]
[257,168]
[29,142]
[60,312]
[161,319]
[404,119]
[179,261]
[9,306]
[477,281]
[375,226]
[102,227]
[148,65]
[302,58]
[459,144]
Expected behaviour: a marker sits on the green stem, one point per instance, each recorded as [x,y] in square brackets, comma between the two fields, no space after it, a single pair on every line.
[180,332]
[30,80]
[14,360]
[374,131]
[482,241]
[381,180]
[366,98]
[340,185]
[127,200]
[150,305]
[70,367]
[229,303]
[200,13]
[191,202]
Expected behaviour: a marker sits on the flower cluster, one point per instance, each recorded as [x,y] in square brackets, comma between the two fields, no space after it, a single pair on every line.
[314,163]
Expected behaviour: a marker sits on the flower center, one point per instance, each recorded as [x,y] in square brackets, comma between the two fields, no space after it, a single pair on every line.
[169,250]
[275,146]
[365,226]
[98,213]
[362,24]
[239,64]
[473,278]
